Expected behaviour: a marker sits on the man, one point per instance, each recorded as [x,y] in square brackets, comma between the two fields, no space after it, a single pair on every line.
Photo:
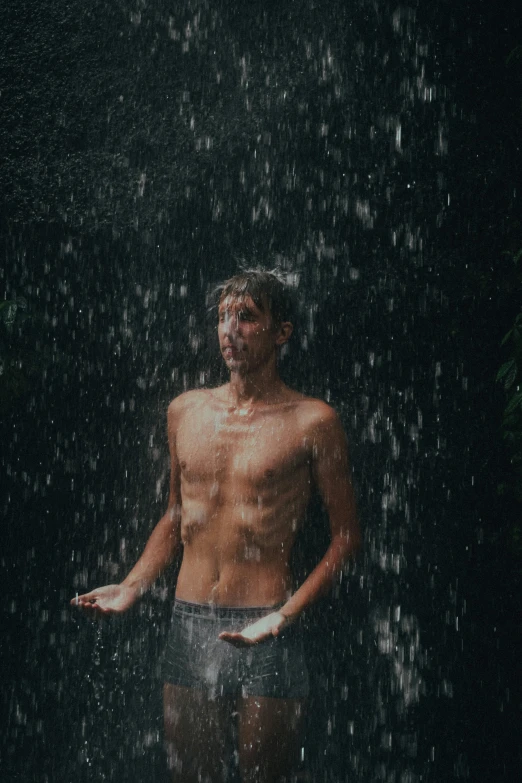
[245,459]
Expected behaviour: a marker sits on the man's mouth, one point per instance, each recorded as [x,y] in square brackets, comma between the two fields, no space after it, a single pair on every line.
[232,350]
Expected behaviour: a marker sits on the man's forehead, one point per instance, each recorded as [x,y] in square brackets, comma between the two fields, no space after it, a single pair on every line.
[234,303]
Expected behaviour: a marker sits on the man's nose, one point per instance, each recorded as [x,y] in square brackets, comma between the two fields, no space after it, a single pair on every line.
[231,323]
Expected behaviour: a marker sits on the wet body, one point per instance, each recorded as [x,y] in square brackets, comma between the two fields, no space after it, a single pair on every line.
[245,459]
[245,480]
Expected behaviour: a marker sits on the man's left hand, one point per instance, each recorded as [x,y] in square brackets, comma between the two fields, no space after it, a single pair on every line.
[263,629]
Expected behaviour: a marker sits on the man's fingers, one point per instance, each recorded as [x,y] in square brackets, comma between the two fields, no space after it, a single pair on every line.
[229,637]
[252,634]
[239,640]
[236,639]
[83,599]
[89,605]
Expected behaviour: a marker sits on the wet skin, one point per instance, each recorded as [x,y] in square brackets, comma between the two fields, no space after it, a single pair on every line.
[245,459]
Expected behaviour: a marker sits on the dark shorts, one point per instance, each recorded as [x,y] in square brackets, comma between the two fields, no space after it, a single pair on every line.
[196,658]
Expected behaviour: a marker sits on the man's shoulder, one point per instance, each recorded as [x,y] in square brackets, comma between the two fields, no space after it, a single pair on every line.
[314,411]
[320,426]
[188,401]
[313,418]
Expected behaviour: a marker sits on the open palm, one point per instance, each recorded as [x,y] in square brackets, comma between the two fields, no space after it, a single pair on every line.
[263,629]
[110,599]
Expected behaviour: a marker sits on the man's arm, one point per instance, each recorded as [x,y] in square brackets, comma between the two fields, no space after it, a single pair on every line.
[159,551]
[332,476]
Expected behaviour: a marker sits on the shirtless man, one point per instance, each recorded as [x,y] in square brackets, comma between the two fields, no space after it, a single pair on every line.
[245,458]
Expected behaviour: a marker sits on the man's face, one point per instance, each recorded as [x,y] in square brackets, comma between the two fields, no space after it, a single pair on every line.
[247,337]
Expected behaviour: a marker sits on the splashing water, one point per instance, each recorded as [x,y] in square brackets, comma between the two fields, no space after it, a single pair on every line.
[201,135]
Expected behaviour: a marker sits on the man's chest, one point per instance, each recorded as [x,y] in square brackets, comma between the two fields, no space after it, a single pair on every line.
[255,449]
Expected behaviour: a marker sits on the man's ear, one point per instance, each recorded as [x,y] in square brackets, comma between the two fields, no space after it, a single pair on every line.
[284,332]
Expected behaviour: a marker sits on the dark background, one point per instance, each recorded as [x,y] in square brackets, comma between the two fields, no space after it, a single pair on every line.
[370,149]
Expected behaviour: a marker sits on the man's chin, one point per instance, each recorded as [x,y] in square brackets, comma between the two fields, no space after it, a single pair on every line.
[237,365]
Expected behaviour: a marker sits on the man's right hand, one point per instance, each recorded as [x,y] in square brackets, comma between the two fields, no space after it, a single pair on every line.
[111,599]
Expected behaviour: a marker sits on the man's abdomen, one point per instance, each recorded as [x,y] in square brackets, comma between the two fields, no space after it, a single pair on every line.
[208,577]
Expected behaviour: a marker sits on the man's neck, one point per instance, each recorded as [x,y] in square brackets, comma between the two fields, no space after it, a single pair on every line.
[263,386]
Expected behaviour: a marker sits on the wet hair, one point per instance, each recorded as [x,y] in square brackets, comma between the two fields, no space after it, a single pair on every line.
[264,287]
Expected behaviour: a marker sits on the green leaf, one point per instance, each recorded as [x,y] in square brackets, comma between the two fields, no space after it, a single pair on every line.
[514,55]
[506,337]
[517,342]
[505,369]
[511,377]
[513,404]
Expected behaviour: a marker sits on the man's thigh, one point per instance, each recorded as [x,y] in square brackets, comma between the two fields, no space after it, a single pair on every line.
[196,734]
[269,738]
